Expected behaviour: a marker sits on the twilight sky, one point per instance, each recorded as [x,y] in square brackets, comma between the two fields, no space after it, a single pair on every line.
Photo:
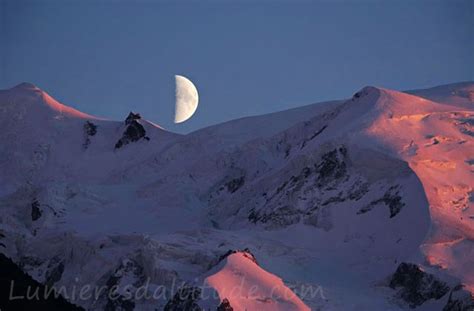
[246,57]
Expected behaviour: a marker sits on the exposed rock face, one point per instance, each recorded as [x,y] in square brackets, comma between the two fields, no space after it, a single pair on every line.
[1,237]
[313,136]
[225,306]
[466,125]
[234,184]
[459,300]
[35,210]
[307,189]
[332,166]
[185,300]
[391,198]
[364,93]
[90,129]
[55,272]
[416,286]
[247,253]
[134,131]
[132,117]
[128,275]
[302,196]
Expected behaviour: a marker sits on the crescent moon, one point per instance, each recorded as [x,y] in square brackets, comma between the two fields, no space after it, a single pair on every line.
[187,99]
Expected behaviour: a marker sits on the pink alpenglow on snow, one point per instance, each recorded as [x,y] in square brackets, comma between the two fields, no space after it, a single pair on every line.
[29,93]
[249,287]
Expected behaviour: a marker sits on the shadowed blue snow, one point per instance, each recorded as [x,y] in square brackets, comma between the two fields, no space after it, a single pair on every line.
[107,58]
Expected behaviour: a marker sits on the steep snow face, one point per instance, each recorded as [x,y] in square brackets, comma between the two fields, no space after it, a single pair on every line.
[330,196]
[249,128]
[246,286]
[437,143]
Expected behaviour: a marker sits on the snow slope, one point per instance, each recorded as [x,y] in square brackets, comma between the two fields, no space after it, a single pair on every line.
[436,141]
[456,94]
[240,270]
[330,199]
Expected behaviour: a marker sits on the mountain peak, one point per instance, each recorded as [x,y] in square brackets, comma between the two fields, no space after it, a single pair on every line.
[367,93]
[32,98]
[26,86]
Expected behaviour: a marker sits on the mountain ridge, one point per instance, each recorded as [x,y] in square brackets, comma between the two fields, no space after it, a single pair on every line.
[383,176]
[441,92]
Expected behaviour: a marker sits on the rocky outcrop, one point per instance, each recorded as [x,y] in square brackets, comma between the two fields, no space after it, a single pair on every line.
[235,184]
[35,210]
[122,284]
[185,300]
[313,136]
[132,117]
[466,125]
[279,217]
[2,236]
[55,271]
[90,129]
[416,286]
[391,199]
[225,306]
[246,252]
[332,167]
[459,300]
[307,189]
[133,132]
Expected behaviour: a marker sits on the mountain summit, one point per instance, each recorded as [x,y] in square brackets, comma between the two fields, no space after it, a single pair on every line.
[28,97]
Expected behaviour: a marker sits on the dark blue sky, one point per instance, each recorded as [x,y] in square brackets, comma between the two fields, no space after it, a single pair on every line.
[109,57]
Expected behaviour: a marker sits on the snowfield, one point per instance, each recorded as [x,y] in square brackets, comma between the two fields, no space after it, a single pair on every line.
[358,204]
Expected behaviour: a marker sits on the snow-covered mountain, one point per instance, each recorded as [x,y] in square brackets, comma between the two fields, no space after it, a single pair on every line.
[357,204]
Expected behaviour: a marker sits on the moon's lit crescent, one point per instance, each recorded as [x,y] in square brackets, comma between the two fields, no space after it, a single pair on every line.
[187,99]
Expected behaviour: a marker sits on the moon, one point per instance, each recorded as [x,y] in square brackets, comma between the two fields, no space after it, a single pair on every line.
[187,99]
